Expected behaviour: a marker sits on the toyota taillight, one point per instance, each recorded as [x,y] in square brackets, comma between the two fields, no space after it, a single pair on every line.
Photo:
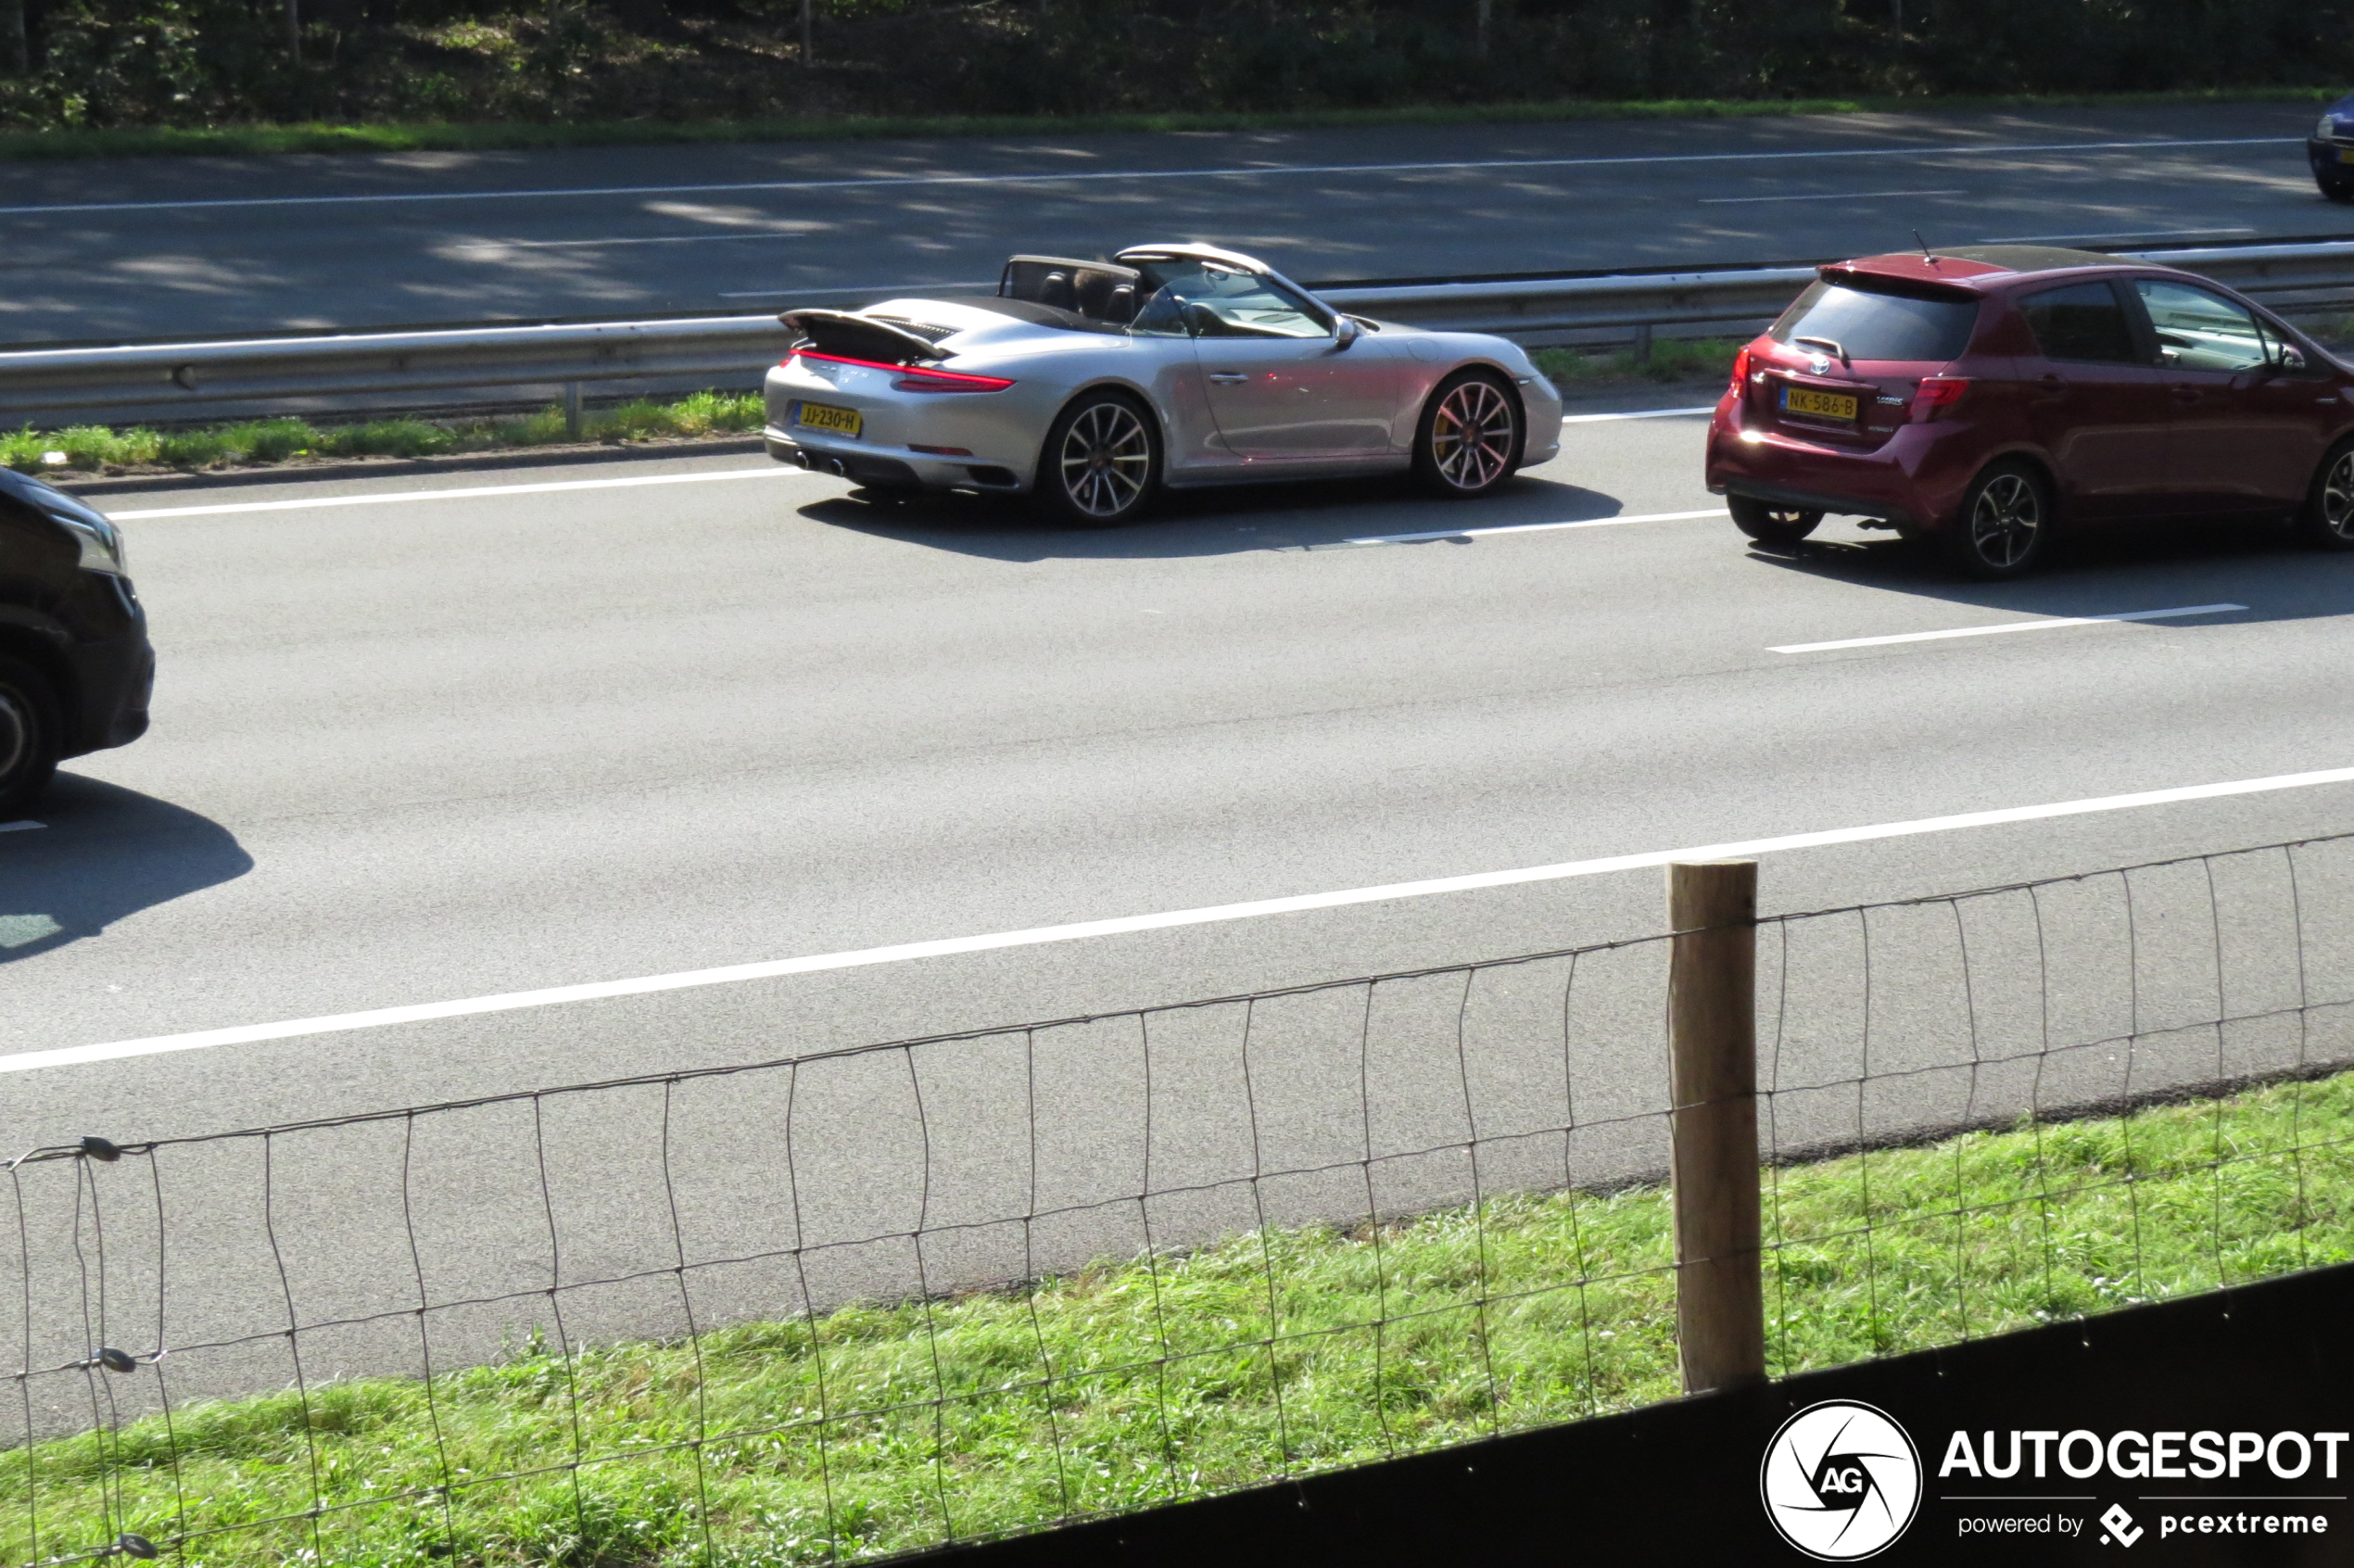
[1935,395]
[1740,369]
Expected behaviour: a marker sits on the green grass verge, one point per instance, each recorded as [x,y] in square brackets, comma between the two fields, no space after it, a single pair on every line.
[246,140]
[1671,358]
[1138,1381]
[98,448]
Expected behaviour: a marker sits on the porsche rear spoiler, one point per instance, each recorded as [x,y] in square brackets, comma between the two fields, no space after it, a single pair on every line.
[858,337]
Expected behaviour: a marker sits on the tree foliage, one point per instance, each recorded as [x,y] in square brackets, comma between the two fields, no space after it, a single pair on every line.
[211,62]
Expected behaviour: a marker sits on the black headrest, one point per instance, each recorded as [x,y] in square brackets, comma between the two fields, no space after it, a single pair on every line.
[1086,287]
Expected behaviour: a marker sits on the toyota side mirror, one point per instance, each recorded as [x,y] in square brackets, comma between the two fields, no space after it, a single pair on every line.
[2290,358]
[1345,332]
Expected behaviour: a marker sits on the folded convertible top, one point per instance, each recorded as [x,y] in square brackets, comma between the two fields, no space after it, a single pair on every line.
[859,337]
[1095,291]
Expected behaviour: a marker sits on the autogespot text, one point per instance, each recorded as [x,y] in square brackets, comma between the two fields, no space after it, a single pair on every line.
[2135,1456]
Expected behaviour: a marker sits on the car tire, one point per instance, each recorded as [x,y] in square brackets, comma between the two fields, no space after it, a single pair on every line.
[1779,526]
[2005,524]
[1101,463]
[1470,434]
[32,731]
[2336,190]
[2327,520]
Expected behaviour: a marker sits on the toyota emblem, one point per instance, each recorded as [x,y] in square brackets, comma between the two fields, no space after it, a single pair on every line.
[1819,365]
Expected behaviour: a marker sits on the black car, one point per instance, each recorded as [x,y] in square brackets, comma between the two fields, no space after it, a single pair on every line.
[75,666]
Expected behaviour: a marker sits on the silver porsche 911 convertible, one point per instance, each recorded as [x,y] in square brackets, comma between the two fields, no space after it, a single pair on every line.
[1090,385]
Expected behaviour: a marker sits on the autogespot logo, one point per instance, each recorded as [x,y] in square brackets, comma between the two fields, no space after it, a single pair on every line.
[1840,1481]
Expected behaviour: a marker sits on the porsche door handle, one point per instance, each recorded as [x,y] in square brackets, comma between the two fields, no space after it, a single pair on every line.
[1229,378]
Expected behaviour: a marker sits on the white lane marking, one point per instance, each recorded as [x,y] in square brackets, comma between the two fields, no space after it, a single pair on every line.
[469,492]
[2124,234]
[774,472]
[1534,527]
[735,974]
[652,239]
[2045,625]
[20,826]
[881,290]
[1932,149]
[1644,413]
[1820,195]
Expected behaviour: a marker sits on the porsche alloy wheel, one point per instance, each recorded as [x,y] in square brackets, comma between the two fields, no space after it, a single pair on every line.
[1469,438]
[1102,459]
[2329,512]
[2004,523]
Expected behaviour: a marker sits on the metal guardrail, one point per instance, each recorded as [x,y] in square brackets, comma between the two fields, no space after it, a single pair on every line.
[194,380]
[34,383]
[1642,301]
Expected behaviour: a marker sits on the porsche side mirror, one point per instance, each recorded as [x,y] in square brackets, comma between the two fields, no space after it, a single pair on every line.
[1344,333]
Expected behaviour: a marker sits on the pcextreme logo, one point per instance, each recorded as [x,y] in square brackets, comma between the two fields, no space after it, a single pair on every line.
[1840,1481]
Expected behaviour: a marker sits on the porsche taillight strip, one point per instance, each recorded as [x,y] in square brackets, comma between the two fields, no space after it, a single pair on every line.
[913,378]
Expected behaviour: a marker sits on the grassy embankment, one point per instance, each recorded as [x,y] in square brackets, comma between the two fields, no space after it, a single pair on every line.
[514,135]
[1122,1386]
[98,448]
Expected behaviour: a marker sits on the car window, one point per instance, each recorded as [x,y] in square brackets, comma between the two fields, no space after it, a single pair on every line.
[1872,325]
[2201,331]
[1214,301]
[2084,322]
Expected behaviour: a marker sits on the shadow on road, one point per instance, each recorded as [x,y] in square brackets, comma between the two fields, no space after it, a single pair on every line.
[105,853]
[2140,566]
[1215,521]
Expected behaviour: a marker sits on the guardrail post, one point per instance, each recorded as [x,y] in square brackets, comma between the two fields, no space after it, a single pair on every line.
[572,410]
[1712,1030]
[1643,343]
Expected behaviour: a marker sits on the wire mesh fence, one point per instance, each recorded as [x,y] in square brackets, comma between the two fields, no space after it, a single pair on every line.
[853,1304]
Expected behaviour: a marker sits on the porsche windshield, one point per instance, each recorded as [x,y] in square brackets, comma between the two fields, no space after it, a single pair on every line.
[1208,300]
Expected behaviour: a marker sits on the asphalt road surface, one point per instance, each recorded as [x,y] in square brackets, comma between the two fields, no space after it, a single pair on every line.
[535,730]
[148,248]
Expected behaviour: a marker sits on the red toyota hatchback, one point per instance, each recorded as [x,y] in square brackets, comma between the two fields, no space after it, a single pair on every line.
[1982,397]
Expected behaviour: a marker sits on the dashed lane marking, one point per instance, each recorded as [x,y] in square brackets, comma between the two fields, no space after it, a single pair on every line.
[2048,624]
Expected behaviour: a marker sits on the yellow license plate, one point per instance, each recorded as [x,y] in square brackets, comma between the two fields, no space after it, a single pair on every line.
[2346,154]
[1821,405]
[846,421]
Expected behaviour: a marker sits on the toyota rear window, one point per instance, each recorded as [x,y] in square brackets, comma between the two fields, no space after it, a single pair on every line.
[1879,327]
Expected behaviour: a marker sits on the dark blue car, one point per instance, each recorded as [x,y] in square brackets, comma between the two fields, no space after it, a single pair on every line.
[2331,150]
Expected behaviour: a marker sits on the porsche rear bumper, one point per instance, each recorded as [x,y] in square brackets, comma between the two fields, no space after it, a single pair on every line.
[908,440]
[884,469]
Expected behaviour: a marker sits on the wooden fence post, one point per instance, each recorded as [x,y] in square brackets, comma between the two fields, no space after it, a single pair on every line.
[1711,1032]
